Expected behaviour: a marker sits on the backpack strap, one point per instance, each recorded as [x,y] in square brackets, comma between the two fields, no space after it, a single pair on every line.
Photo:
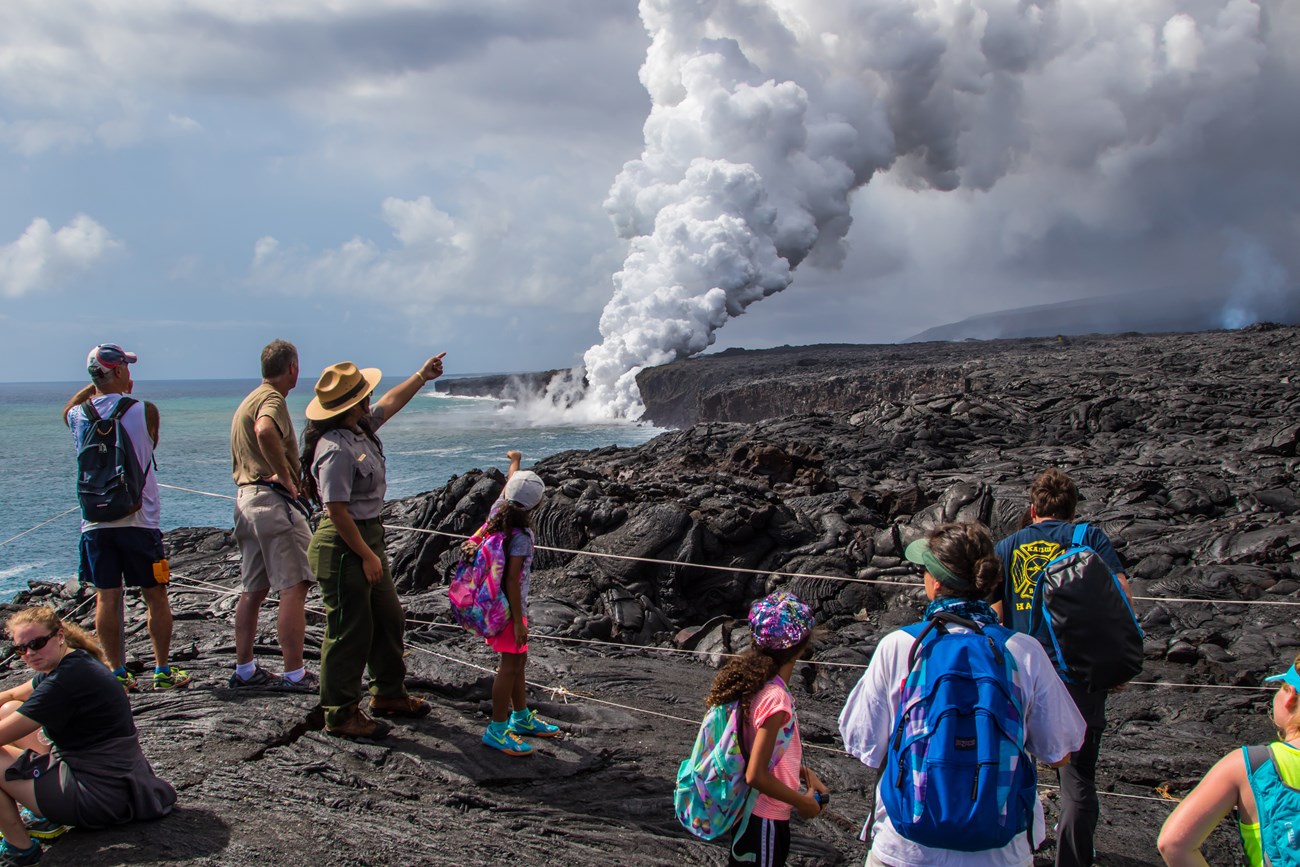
[1080,530]
[1257,756]
[88,408]
[937,625]
[123,405]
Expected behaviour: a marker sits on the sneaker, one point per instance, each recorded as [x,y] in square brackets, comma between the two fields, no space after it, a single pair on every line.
[40,828]
[174,679]
[529,724]
[307,683]
[127,679]
[407,705]
[11,857]
[259,677]
[359,725]
[507,742]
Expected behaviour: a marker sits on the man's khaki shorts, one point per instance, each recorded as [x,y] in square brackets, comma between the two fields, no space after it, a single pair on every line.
[273,538]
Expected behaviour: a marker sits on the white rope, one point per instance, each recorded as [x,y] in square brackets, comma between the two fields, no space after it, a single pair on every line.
[1166,801]
[1195,685]
[777,573]
[628,558]
[194,491]
[1185,600]
[38,526]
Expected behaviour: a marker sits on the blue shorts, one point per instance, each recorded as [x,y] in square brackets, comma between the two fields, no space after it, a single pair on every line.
[112,555]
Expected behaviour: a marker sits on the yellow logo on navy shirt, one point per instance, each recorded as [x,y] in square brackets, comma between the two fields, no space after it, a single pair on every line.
[1027,561]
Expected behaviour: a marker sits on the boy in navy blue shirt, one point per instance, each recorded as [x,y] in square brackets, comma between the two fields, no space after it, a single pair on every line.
[1053,498]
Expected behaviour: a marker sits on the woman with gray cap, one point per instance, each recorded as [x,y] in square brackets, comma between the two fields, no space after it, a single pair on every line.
[343,470]
[512,516]
[960,571]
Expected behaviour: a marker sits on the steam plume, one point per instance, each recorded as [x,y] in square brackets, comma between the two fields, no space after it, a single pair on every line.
[767,114]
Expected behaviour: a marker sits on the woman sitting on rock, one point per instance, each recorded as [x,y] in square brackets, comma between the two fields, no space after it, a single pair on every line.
[343,469]
[72,739]
[961,571]
[1261,783]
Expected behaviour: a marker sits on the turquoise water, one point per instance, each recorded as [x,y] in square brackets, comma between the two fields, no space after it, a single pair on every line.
[431,440]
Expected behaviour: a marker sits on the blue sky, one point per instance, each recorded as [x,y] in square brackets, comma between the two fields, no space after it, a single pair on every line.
[381,180]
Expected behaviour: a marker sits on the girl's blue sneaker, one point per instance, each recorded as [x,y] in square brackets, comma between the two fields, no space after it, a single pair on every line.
[527,723]
[499,737]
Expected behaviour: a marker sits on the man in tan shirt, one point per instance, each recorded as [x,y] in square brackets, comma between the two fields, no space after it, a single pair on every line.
[270,524]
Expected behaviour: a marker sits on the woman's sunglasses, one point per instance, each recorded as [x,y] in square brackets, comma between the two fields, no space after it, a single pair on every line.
[35,644]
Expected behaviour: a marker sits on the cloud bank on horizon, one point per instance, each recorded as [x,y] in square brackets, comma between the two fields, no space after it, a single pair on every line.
[374,179]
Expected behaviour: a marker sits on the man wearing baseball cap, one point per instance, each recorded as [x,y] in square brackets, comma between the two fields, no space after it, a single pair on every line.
[127,550]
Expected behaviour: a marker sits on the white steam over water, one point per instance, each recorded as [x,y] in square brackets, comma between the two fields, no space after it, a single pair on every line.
[767,115]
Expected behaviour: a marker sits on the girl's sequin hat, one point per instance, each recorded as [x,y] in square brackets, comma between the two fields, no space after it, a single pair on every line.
[780,621]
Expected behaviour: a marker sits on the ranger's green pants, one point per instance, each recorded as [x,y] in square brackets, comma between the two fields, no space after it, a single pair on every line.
[364,623]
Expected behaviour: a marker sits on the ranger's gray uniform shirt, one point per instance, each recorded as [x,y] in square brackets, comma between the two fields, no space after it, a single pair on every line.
[350,469]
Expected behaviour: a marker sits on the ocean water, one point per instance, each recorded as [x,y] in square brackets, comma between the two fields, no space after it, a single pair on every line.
[434,438]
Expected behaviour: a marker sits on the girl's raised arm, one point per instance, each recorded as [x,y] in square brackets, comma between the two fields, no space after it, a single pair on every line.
[1198,814]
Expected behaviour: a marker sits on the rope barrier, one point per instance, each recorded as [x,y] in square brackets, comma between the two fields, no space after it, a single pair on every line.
[709,566]
[38,526]
[195,491]
[683,651]
[626,557]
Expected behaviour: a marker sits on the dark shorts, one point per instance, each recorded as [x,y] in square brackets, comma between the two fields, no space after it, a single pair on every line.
[765,843]
[53,784]
[113,555]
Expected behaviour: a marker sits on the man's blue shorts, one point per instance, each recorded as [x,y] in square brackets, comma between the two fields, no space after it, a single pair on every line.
[112,555]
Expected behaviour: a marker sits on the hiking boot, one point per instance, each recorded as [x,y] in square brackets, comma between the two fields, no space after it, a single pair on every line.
[359,725]
[259,677]
[11,857]
[507,742]
[307,683]
[527,723]
[127,679]
[174,679]
[407,706]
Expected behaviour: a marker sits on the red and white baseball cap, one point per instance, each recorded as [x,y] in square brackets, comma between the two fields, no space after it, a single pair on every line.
[106,357]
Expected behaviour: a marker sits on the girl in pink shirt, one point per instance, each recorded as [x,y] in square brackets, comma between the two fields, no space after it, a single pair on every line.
[781,626]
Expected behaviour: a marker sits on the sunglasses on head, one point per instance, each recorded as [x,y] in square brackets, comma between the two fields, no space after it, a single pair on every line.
[35,644]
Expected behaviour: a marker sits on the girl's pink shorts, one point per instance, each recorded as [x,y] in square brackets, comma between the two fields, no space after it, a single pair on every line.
[504,641]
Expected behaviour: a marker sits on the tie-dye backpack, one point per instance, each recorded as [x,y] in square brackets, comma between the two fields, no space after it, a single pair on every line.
[712,794]
[478,600]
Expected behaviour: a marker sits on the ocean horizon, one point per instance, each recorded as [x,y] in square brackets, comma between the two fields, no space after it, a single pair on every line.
[433,439]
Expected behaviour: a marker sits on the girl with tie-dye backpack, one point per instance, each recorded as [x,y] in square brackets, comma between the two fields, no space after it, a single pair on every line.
[746,771]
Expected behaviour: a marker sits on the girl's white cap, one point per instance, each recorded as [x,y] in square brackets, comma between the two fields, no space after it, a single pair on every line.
[524,489]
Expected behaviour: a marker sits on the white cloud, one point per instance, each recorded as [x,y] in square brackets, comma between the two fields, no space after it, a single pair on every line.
[435,263]
[42,259]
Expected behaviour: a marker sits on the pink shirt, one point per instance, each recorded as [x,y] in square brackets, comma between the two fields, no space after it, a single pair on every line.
[774,699]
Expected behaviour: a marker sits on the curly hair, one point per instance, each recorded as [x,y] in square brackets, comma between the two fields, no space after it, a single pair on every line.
[45,616]
[508,519]
[745,675]
[967,551]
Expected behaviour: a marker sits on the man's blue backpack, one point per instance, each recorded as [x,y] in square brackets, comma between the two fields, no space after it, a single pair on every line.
[957,775]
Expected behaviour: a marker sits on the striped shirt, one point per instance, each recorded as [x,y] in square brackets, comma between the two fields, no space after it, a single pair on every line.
[774,698]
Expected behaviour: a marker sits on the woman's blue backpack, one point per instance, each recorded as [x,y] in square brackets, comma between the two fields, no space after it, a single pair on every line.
[1277,804]
[957,775]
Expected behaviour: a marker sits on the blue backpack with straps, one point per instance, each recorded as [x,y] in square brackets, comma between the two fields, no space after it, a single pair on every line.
[1083,619]
[956,775]
[1278,807]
